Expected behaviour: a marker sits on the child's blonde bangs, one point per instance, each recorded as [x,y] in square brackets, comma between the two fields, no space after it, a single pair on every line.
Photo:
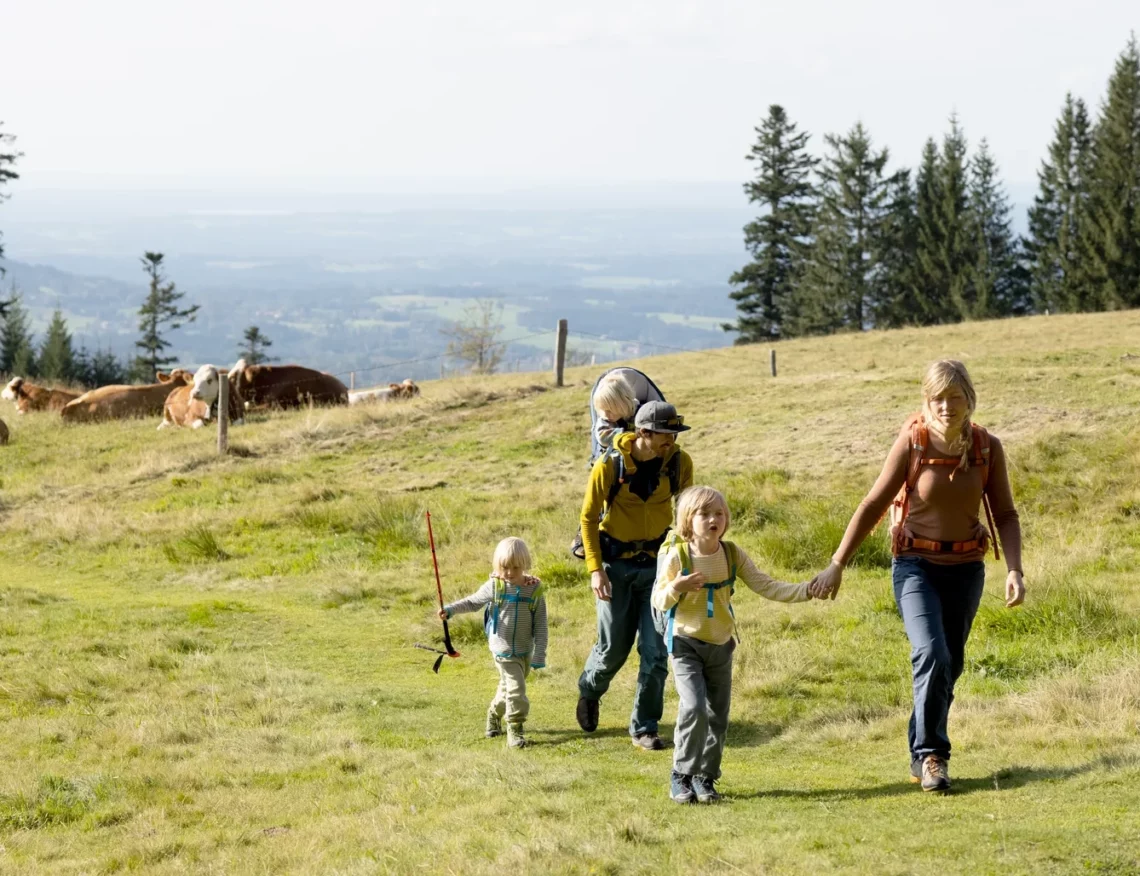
[615,394]
[511,553]
[696,499]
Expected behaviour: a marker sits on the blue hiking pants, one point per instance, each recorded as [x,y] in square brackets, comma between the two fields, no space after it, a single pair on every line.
[938,603]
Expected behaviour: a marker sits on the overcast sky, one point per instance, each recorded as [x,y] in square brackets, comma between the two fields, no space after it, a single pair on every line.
[461,94]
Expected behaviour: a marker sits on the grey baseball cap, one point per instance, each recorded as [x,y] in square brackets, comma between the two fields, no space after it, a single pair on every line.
[659,416]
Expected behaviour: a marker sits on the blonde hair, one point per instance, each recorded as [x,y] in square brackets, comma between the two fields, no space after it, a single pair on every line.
[511,553]
[941,376]
[614,393]
[694,499]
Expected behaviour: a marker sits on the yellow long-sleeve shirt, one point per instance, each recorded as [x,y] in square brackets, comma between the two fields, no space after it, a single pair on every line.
[631,518]
[692,607]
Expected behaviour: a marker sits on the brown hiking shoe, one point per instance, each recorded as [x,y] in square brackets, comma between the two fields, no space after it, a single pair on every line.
[649,742]
[935,773]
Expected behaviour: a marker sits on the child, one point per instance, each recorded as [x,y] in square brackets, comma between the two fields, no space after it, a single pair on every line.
[694,591]
[614,406]
[515,620]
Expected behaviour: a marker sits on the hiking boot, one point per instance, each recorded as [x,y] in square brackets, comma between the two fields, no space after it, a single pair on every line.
[705,789]
[915,770]
[649,742]
[577,549]
[587,714]
[494,724]
[515,736]
[935,773]
[681,788]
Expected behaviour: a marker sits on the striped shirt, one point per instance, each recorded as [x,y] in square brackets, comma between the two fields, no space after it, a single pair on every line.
[520,631]
[692,607]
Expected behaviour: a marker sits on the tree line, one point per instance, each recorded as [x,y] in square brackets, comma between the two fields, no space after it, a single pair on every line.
[844,243]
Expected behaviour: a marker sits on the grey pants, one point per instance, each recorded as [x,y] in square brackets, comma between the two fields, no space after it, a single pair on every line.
[703,675]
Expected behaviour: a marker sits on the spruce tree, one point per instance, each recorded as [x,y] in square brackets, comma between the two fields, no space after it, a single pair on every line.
[17,356]
[997,277]
[899,298]
[158,314]
[1111,239]
[108,370]
[57,358]
[778,238]
[1058,219]
[931,283]
[254,345]
[8,158]
[842,269]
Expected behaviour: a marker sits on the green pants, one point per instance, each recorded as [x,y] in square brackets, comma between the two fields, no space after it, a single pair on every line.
[510,699]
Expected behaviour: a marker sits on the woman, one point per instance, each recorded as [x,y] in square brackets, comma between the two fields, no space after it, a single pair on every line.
[938,472]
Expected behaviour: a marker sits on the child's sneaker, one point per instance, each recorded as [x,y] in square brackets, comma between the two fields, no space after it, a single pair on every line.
[681,788]
[494,724]
[515,736]
[705,790]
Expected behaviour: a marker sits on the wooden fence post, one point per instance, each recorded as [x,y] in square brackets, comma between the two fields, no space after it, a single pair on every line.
[223,413]
[560,352]
[352,380]
[772,361]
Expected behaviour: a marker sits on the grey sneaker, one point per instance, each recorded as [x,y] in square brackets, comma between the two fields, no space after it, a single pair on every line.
[935,773]
[515,736]
[705,789]
[649,742]
[494,724]
[681,788]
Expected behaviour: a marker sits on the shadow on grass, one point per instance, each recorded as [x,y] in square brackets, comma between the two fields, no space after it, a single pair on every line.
[1005,779]
[543,738]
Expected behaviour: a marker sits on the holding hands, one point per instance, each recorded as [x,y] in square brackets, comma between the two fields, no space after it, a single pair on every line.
[826,584]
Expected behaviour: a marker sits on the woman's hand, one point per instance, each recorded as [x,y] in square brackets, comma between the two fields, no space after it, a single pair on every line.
[689,583]
[826,584]
[1014,589]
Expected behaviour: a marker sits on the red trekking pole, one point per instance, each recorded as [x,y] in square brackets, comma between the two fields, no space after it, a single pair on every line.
[451,652]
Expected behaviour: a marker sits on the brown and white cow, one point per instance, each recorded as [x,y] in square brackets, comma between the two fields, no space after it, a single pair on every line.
[393,392]
[286,385]
[192,404]
[121,402]
[29,397]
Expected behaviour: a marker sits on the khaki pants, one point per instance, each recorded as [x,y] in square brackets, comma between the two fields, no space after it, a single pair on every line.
[510,699]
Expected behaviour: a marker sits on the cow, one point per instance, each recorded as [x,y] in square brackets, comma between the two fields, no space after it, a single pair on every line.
[286,385]
[120,402]
[192,403]
[394,392]
[29,397]
[3,432]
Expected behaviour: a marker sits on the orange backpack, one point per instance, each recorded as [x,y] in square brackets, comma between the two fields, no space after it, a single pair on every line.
[919,440]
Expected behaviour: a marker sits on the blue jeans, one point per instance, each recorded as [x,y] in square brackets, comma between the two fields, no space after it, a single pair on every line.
[629,615]
[938,603]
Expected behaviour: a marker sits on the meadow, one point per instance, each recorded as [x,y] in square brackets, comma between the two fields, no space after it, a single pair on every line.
[206,663]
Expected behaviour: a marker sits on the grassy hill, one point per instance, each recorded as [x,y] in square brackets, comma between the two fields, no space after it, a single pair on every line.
[207,662]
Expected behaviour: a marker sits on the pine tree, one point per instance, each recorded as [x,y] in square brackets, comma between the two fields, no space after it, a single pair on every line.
[8,158]
[17,356]
[254,348]
[778,238]
[158,314]
[898,295]
[842,269]
[931,284]
[997,278]
[1111,238]
[1057,220]
[57,358]
[108,370]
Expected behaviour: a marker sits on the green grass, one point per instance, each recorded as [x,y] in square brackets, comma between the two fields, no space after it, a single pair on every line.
[208,663]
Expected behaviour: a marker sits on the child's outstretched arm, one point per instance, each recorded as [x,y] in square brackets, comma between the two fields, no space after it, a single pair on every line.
[474,602]
[767,586]
[538,655]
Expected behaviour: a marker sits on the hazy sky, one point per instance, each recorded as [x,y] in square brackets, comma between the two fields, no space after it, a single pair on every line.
[463,93]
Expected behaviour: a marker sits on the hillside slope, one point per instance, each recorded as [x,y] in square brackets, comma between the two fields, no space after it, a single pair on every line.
[207,662]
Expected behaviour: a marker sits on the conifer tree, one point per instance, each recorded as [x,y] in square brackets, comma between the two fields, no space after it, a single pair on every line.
[842,269]
[253,349]
[997,277]
[778,238]
[158,314]
[57,358]
[108,370]
[17,355]
[931,284]
[1111,239]
[1057,220]
[898,295]
[8,158]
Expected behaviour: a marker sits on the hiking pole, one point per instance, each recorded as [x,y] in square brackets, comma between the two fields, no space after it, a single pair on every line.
[450,652]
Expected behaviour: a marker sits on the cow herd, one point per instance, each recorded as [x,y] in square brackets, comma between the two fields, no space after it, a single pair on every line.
[185,398]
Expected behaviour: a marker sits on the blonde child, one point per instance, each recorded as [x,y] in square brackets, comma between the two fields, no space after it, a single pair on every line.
[515,620]
[615,403]
[694,589]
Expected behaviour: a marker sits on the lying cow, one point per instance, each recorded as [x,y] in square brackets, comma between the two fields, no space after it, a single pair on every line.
[120,402]
[286,385]
[394,392]
[29,397]
[3,432]
[193,402]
